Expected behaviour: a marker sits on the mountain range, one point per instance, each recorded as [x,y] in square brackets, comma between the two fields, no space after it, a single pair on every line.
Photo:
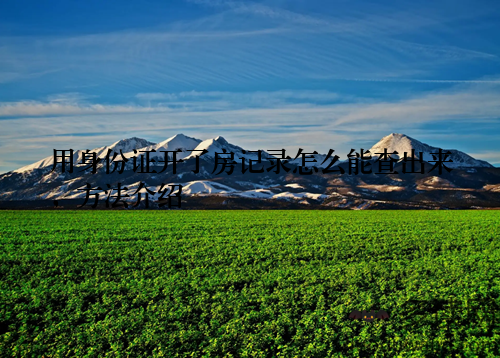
[471,183]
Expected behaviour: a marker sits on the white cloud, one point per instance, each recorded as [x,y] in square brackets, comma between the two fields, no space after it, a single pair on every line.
[241,99]
[58,108]
[254,119]
[473,102]
[247,44]
[489,156]
[463,102]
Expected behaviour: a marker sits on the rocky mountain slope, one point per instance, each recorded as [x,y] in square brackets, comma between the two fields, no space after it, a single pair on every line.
[471,184]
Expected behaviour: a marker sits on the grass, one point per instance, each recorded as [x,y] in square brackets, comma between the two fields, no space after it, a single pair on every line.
[249,283]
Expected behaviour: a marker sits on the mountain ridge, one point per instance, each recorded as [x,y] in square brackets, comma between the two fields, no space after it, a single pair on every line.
[393,142]
[471,183]
[401,143]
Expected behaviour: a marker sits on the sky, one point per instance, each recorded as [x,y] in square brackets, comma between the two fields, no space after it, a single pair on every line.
[265,74]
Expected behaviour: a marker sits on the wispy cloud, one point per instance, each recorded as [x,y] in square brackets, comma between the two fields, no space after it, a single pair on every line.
[73,104]
[354,73]
[6,77]
[266,11]
[56,108]
[403,80]
[490,156]
[465,101]
[291,118]
[248,43]
[478,100]
[473,102]
[243,99]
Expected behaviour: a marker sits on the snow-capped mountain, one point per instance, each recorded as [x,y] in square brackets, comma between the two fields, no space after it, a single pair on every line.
[125,145]
[178,141]
[472,183]
[401,143]
[218,145]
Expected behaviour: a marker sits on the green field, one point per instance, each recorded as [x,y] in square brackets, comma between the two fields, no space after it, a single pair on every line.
[249,283]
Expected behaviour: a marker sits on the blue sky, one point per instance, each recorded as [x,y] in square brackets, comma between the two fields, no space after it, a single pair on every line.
[263,74]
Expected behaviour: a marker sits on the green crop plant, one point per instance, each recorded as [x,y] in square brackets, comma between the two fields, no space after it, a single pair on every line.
[249,283]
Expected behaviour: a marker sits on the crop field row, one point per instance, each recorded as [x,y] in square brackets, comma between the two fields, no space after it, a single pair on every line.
[249,283]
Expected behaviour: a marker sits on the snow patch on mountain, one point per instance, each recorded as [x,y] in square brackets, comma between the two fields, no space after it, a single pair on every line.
[297,196]
[295,186]
[258,193]
[205,187]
